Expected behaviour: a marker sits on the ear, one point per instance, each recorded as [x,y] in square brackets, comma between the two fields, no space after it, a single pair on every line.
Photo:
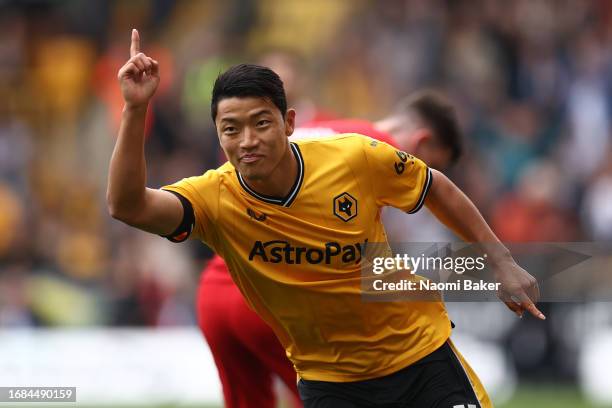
[289,122]
[421,137]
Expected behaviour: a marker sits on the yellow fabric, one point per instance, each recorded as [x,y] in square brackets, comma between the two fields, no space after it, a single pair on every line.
[479,390]
[298,265]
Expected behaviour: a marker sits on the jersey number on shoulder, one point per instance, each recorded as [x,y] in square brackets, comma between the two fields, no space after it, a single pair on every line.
[400,166]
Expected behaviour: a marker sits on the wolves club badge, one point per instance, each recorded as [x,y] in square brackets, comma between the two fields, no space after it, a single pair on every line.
[345,206]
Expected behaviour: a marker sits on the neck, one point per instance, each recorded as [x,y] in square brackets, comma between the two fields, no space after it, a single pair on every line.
[280,180]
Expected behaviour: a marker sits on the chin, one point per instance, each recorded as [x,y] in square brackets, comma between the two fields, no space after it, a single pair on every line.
[251,174]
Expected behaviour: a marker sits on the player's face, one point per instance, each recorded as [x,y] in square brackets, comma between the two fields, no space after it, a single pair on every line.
[253,134]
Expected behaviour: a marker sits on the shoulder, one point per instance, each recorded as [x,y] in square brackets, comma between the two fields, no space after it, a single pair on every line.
[226,170]
[347,151]
[207,180]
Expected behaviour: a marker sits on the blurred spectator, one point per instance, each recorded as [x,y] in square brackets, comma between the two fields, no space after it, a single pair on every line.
[536,210]
[597,208]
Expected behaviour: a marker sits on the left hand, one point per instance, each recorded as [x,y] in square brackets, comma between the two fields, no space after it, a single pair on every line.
[518,290]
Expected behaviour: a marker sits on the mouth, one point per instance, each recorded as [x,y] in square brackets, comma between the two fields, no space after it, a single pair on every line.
[250,158]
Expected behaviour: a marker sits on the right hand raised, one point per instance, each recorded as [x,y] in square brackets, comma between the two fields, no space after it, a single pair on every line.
[139,77]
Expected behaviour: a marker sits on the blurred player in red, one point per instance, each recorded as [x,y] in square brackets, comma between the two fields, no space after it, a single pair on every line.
[246,351]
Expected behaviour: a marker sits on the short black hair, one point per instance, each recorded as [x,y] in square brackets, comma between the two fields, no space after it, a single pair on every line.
[246,80]
[439,115]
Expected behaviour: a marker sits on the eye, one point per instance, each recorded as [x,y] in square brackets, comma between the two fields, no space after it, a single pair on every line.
[229,130]
[263,123]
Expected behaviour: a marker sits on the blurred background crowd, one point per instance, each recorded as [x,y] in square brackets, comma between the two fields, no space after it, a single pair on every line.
[531,81]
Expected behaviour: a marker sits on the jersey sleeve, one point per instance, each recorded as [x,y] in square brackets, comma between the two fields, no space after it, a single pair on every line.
[199,194]
[399,179]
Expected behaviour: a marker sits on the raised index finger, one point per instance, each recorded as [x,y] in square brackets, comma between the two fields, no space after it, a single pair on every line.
[135,46]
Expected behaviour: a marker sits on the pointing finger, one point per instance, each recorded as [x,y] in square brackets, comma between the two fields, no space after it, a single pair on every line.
[135,46]
[528,305]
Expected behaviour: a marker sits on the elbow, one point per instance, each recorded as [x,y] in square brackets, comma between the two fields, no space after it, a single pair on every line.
[114,212]
[127,208]
[111,205]
[117,210]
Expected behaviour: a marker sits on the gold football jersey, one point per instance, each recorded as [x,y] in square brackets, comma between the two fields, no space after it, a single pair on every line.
[297,259]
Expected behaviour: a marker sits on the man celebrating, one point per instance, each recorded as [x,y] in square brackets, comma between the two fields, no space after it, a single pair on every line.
[246,351]
[291,220]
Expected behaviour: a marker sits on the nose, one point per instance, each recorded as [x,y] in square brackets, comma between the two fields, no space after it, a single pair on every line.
[249,140]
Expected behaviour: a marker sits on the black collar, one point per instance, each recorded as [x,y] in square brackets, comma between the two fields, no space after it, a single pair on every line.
[289,198]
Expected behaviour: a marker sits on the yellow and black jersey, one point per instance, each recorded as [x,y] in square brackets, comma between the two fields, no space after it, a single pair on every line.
[296,259]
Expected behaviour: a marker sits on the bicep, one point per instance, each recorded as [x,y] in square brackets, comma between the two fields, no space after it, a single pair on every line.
[439,186]
[452,207]
[441,194]
[161,213]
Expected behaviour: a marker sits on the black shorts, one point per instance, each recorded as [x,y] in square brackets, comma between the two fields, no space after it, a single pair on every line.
[436,381]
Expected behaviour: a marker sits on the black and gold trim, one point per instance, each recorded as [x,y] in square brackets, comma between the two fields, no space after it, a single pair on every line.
[290,198]
[426,186]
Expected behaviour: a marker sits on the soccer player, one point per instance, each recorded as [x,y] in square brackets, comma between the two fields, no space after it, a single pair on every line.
[291,220]
[246,351]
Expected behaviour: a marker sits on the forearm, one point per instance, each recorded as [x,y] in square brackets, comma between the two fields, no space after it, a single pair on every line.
[519,290]
[128,198]
[127,171]
[453,208]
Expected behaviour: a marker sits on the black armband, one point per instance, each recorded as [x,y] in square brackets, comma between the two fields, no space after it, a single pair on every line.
[184,229]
